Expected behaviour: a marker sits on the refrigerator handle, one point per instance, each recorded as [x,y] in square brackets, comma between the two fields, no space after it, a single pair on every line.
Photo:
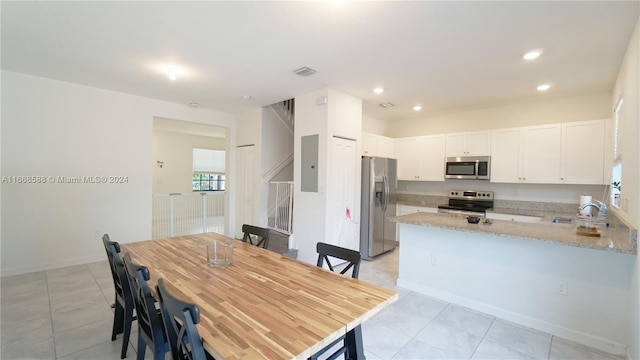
[386,192]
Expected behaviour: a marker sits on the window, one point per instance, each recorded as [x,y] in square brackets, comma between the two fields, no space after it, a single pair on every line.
[617,140]
[208,182]
[616,171]
[208,170]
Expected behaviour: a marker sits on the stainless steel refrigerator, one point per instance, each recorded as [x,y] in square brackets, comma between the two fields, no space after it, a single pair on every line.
[378,202]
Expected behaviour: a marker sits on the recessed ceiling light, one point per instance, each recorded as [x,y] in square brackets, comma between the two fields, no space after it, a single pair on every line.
[386,105]
[172,72]
[532,55]
[417,108]
[245,97]
[544,87]
[378,90]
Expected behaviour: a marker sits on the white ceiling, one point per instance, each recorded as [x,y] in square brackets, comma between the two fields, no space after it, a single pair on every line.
[443,55]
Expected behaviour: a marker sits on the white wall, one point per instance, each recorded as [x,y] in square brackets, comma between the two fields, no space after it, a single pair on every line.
[309,215]
[627,85]
[576,108]
[374,126]
[53,128]
[341,116]
[175,150]
[517,279]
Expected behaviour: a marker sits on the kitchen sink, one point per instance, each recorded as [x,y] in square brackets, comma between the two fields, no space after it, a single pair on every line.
[561,220]
[518,218]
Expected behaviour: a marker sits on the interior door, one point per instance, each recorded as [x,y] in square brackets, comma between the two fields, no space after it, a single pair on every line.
[342,219]
[245,158]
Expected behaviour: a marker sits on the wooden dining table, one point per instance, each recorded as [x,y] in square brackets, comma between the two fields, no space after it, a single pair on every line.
[263,305]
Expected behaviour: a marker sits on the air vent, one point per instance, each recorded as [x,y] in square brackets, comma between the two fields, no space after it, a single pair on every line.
[304,71]
[387,105]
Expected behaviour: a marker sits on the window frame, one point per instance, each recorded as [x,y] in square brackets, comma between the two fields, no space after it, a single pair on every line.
[220,181]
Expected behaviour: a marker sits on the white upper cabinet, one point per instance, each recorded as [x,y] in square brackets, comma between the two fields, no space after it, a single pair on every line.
[421,159]
[505,156]
[476,143]
[385,147]
[377,145]
[526,155]
[406,153]
[582,156]
[541,154]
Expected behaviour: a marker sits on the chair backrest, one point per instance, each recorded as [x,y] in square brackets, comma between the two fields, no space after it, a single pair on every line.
[262,235]
[118,272]
[180,319]
[149,321]
[353,257]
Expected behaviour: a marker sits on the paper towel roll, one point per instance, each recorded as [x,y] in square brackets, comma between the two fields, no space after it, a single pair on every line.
[585,199]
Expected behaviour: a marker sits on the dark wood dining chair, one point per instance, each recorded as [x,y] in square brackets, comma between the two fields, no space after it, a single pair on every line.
[123,304]
[261,234]
[150,328]
[353,259]
[180,319]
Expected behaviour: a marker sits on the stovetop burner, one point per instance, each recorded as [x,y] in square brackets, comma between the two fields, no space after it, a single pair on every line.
[468,202]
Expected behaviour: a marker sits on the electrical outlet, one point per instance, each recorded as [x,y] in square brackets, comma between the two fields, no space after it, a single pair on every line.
[562,288]
[434,259]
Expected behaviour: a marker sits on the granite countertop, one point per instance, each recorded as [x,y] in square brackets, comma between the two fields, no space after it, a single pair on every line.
[619,240]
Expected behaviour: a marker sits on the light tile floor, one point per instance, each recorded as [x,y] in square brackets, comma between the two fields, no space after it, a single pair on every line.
[65,314]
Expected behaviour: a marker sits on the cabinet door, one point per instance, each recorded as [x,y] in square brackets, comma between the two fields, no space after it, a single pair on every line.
[406,151]
[583,152]
[541,154]
[505,156]
[368,144]
[431,152]
[385,147]
[456,144]
[479,143]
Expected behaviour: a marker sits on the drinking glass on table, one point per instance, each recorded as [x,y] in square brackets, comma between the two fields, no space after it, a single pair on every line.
[220,253]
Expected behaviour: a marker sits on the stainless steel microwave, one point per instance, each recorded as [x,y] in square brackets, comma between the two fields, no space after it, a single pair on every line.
[468,167]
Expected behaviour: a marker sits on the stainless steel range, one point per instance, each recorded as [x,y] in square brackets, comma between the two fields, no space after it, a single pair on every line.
[467,202]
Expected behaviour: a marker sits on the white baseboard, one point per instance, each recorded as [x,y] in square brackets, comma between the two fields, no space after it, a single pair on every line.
[58,265]
[593,341]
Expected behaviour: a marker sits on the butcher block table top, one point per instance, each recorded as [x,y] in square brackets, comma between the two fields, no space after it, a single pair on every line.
[263,305]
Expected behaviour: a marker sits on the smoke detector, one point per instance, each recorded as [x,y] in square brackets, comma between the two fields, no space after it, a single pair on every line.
[304,71]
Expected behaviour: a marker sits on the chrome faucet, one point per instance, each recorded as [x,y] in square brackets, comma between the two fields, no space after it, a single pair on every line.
[598,205]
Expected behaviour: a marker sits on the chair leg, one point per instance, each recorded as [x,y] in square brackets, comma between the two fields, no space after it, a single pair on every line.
[142,347]
[128,319]
[159,354]
[118,321]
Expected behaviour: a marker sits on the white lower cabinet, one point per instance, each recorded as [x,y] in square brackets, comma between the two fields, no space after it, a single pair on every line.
[402,209]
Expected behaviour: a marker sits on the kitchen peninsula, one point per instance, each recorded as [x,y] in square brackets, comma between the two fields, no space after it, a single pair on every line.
[540,275]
